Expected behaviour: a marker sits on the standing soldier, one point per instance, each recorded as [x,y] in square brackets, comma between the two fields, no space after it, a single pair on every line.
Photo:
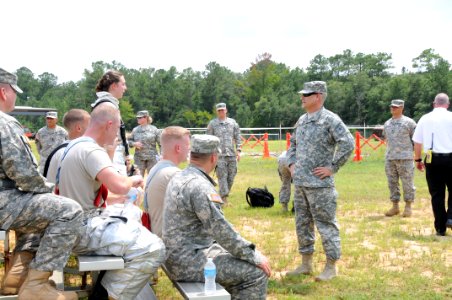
[145,139]
[320,146]
[29,207]
[228,131]
[194,229]
[399,164]
[286,181]
[49,137]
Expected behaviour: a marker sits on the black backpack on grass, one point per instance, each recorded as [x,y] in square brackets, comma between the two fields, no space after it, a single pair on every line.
[257,197]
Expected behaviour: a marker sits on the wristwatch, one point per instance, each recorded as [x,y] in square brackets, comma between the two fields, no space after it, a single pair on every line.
[418,160]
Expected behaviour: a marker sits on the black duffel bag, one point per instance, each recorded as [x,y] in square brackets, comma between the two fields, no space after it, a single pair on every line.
[257,197]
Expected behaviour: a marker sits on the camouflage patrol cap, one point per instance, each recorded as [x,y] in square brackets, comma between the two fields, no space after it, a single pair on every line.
[11,79]
[142,113]
[221,106]
[397,103]
[52,114]
[314,87]
[205,143]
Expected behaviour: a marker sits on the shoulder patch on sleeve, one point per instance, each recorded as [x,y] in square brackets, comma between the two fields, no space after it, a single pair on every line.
[215,198]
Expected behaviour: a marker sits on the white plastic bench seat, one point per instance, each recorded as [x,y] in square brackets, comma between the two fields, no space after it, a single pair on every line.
[87,264]
[99,263]
[10,297]
[195,290]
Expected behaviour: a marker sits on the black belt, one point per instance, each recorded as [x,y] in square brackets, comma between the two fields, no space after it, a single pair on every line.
[442,154]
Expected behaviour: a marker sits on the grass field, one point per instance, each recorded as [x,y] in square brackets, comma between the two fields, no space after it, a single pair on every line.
[382,258]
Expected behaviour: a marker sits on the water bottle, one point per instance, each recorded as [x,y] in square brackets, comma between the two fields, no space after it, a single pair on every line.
[132,196]
[210,272]
[130,211]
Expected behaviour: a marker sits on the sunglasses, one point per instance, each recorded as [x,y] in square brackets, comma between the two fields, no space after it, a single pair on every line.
[141,117]
[308,94]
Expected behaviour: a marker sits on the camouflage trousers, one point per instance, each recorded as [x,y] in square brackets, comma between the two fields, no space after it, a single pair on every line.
[50,224]
[317,206]
[145,165]
[402,169]
[240,278]
[286,184]
[226,171]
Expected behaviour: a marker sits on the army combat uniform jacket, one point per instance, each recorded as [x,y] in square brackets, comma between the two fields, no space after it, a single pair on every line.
[228,131]
[398,134]
[18,170]
[193,223]
[149,136]
[320,140]
[48,139]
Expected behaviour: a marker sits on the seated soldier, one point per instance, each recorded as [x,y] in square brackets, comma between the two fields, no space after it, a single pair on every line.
[27,206]
[75,121]
[175,143]
[86,172]
[194,228]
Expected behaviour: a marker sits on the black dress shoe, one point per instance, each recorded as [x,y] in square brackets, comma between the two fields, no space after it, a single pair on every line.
[449,223]
[441,233]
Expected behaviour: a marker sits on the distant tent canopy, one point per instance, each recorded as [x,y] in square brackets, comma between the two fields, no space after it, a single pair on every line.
[30,111]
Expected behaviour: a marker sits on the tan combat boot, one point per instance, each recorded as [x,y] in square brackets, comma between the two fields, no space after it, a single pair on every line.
[394,210]
[305,267]
[37,287]
[17,274]
[407,211]
[284,207]
[329,272]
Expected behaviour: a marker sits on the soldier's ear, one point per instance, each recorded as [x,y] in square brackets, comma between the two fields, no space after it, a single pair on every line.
[2,93]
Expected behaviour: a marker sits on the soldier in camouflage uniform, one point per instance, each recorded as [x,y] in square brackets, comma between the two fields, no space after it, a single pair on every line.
[399,163]
[145,139]
[28,206]
[194,228]
[286,181]
[228,131]
[320,145]
[49,137]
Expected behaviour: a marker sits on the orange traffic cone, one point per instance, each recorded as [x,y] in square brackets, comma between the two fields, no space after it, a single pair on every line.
[288,140]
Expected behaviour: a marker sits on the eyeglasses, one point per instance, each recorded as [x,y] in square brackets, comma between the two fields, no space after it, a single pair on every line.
[308,94]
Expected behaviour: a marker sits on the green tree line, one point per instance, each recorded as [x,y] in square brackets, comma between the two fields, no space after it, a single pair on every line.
[360,87]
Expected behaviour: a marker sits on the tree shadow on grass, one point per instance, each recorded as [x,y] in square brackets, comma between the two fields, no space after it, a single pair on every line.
[418,235]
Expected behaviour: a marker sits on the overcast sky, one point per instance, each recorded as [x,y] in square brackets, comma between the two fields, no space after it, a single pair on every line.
[65,37]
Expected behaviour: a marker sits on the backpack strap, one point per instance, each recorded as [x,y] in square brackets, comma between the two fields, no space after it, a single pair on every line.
[248,197]
[49,158]
[155,169]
